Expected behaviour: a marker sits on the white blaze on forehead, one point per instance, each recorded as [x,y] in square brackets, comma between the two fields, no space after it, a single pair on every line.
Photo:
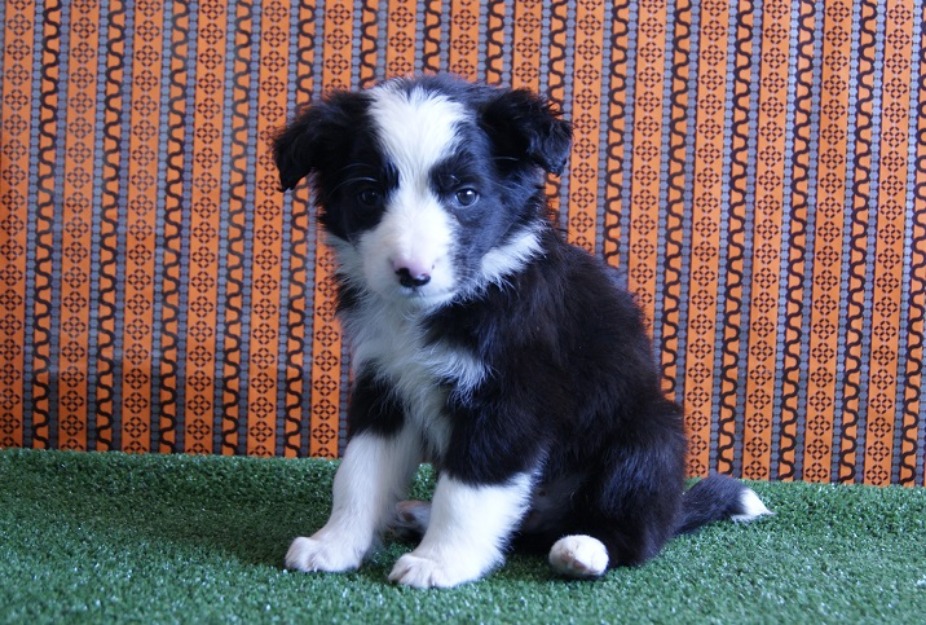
[417,129]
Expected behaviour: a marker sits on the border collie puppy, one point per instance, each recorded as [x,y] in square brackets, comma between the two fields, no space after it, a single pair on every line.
[485,344]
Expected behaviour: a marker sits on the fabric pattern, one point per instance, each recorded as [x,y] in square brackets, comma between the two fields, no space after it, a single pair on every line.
[757,169]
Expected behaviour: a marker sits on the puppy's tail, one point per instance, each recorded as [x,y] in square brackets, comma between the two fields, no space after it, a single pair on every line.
[719,498]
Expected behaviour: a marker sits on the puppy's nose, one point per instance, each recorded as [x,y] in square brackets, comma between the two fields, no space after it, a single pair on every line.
[412,278]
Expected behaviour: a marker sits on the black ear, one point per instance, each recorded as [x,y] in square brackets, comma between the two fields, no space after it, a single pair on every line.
[312,138]
[524,127]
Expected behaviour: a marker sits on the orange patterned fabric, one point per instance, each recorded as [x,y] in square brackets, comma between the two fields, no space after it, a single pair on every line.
[757,169]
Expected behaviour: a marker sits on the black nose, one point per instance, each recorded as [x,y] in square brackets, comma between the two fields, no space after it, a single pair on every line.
[406,278]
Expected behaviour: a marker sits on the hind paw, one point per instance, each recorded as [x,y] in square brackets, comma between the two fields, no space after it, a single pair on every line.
[579,556]
[411,519]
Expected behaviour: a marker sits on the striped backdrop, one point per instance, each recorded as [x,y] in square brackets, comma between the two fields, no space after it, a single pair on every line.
[757,168]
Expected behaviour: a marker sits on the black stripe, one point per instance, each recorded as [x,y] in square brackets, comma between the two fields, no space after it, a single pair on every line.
[112,200]
[45,217]
[675,208]
[726,423]
[848,445]
[797,240]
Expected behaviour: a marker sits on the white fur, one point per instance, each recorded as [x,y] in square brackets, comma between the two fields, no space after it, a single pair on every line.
[387,339]
[417,130]
[373,476]
[466,533]
[753,508]
[579,556]
[505,260]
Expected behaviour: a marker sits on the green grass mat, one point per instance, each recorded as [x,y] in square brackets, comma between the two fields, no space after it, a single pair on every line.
[110,538]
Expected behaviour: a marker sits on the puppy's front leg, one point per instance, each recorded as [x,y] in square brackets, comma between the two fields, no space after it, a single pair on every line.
[468,529]
[373,476]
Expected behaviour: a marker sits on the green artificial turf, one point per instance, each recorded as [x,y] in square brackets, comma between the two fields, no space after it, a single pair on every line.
[110,538]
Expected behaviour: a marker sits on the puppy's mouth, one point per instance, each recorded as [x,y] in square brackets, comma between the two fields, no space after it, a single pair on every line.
[424,297]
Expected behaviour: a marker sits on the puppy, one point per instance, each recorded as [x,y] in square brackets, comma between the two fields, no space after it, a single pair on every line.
[485,344]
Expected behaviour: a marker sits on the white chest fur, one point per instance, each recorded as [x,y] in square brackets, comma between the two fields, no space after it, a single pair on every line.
[386,337]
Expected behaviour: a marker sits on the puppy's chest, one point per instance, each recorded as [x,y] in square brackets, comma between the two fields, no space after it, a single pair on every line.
[422,373]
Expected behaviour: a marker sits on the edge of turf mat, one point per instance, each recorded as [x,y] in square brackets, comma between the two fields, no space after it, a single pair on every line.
[89,537]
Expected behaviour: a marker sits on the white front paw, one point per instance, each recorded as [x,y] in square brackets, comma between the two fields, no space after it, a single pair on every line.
[313,554]
[425,572]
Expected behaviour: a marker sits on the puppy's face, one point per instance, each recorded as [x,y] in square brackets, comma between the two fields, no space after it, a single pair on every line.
[430,187]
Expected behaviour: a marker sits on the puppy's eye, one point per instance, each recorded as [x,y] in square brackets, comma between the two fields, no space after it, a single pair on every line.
[466,197]
[369,198]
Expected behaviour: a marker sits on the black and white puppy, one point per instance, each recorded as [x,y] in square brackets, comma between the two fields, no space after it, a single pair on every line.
[485,344]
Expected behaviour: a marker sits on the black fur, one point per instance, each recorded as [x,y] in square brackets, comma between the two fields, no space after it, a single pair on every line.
[573,393]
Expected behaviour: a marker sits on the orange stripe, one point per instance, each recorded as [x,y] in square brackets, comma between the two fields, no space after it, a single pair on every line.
[76,243]
[888,274]
[650,80]
[464,39]
[140,234]
[525,45]
[326,353]
[828,252]
[205,198]
[766,256]
[14,213]
[583,169]
[326,345]
[268,225]
[705,239]
[400,47]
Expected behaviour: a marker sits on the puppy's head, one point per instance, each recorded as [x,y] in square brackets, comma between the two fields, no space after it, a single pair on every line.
[429,187]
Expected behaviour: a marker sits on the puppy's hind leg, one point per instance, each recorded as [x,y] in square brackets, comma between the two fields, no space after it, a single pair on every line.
[579,556]
[411,519]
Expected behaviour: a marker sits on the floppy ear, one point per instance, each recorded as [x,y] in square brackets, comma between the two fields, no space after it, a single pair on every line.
[310,140]
[523,126]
